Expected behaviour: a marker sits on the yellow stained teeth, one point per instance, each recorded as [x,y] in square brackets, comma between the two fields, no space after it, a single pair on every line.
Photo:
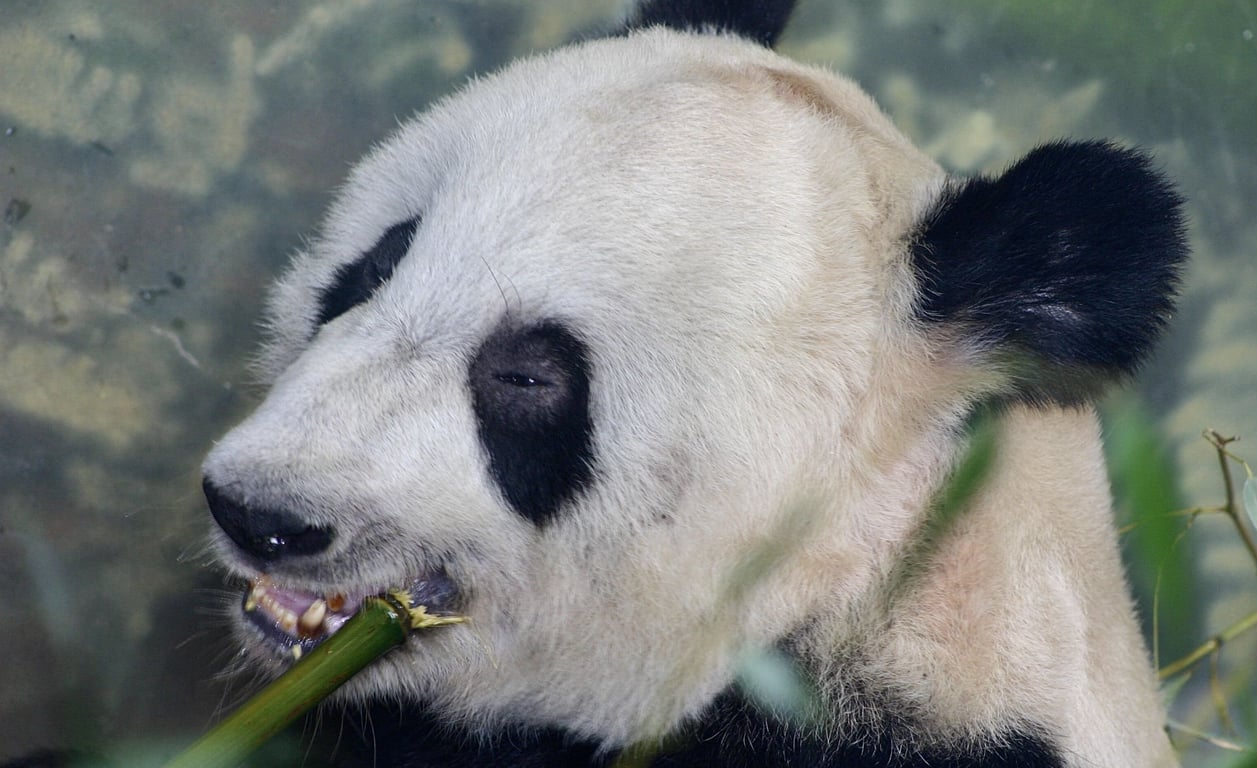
[257,593]
[312,622]
[312,619]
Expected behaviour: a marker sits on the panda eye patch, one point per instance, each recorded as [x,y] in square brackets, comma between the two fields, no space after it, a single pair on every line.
[530,394]
[356,281]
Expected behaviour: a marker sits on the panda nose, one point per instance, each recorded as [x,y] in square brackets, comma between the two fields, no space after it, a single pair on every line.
[268,534]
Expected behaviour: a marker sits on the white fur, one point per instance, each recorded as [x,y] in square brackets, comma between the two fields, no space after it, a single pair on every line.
[727,231]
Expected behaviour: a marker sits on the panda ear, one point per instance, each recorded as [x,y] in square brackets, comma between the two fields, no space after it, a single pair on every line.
[1062,270]
[758,20]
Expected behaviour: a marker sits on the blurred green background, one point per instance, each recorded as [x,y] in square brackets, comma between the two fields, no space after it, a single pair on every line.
[159,161]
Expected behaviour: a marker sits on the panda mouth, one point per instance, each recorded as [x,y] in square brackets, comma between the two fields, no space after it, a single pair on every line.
[293,622]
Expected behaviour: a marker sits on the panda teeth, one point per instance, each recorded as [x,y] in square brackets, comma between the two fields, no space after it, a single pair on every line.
[311,622]
[322,616]
[284,618]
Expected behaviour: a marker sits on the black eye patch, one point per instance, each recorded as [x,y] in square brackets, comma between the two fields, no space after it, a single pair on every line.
[530,393]
[357,280]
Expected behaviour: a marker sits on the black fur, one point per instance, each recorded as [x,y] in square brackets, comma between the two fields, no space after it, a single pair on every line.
[732,733]
[1065,266]
[760,20]
[880,732]
[530,392]
[404,735]
[357,280]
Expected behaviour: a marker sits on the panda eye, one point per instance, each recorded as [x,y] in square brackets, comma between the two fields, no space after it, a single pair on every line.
[530,393]
[522,380]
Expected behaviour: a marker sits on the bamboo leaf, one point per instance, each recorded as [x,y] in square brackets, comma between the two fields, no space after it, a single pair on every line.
[967,479]
[1146,492]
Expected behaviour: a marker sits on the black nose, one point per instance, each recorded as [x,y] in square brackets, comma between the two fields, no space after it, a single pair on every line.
[268,534]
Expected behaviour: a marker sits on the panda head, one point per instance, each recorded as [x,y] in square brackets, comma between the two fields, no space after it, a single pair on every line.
[648,350]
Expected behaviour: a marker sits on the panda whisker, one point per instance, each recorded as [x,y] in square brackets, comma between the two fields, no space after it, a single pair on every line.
[506,303]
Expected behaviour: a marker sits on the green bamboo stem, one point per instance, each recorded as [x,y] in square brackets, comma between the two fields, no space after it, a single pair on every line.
[380,625]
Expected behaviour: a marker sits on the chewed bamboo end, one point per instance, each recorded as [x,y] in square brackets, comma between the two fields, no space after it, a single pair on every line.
[418,614]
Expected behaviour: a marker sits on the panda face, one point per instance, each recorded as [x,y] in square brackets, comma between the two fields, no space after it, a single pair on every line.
[561,355]
[655,349]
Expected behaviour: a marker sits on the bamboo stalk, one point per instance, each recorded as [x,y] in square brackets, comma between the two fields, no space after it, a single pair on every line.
[379,626]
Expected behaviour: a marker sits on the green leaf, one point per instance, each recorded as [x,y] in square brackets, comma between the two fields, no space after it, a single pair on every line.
[950,501]
[1146,493]
[967,479]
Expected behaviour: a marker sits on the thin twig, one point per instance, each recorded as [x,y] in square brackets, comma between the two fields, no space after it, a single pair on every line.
[1216,741]
[1189,512]
[1220,443]
[1156,590]
[1211,645]
[1219,698]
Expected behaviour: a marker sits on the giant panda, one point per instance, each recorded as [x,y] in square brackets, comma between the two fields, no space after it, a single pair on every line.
[652,355]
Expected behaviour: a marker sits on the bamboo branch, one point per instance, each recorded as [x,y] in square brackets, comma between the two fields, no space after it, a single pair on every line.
[1212,645]
[1220,444]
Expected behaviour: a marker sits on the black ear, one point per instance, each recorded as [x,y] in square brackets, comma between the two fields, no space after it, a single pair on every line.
[1064,268]
[758,20]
